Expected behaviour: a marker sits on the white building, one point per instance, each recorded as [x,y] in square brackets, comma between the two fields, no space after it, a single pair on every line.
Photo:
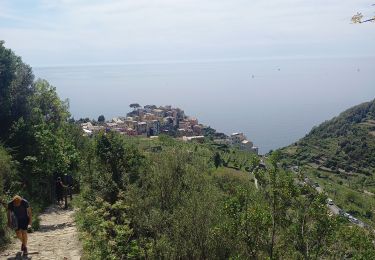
[117,120]
[199,138]
[237,138]
[87,125]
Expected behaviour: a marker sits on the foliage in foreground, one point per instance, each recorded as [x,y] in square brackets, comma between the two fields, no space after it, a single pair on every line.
[174,203]
[39,143]
[6,171]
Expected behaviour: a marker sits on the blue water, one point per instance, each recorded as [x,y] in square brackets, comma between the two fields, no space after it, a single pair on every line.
[273,101]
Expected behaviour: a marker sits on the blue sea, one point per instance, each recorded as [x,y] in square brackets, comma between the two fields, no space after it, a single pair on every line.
[273,101]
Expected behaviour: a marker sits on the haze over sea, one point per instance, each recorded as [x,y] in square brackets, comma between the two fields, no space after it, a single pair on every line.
[273,101]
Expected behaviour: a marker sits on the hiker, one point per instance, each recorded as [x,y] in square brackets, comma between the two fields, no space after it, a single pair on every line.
[68,181]
[59,190]
[19,218]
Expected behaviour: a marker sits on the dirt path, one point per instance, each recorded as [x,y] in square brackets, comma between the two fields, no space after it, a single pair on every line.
[56,239]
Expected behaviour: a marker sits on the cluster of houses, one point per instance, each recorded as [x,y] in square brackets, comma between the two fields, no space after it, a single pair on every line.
[151,121]
[240,141]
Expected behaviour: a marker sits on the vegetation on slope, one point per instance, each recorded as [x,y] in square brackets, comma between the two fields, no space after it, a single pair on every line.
[344,144]
[340,156]
[174,203]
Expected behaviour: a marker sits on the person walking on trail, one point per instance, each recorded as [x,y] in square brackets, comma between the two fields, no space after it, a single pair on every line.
[68,181]
[59,190]
[20,218]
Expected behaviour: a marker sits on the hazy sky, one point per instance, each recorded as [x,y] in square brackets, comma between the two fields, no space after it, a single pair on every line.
[64,32]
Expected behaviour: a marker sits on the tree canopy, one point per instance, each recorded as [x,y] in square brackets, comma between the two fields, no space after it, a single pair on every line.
[101,119]
[134,105]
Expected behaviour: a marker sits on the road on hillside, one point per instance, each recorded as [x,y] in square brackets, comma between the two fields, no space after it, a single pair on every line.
[333,208]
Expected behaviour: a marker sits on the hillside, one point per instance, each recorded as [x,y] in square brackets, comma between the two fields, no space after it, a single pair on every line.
[344,144]
[160,198]
[339,155]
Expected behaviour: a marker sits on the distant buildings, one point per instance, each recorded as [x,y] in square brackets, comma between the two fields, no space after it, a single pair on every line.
[142,128]
[89,129]
[199,138]
[153,127]
[151,120]
[237,138]
[240,141]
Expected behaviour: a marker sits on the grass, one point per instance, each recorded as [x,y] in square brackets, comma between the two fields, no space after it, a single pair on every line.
[223,171]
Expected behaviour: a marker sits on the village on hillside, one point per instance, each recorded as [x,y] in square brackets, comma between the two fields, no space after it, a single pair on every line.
[151,121]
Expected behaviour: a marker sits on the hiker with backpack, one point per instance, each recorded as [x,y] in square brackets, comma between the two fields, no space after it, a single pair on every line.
[59,190]
[68,181]
[19,219]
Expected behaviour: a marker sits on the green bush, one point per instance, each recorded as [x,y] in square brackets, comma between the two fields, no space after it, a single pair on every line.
[6,173]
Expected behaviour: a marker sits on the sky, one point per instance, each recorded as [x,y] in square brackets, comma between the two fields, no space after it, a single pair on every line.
[79,32]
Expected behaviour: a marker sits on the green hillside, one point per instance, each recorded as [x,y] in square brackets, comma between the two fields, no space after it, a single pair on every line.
[345,144]
[339,155]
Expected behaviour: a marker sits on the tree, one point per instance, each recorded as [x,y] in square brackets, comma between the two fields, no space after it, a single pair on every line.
[34,127]
[7,171]
[118,162]
[16,87]
[249,223]
[42,142]
[217,160]
[101,119]
[134,106]
[312,228]
[279,191]
[353,242]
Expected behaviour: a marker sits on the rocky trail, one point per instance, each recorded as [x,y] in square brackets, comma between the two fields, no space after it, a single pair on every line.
[57,238]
